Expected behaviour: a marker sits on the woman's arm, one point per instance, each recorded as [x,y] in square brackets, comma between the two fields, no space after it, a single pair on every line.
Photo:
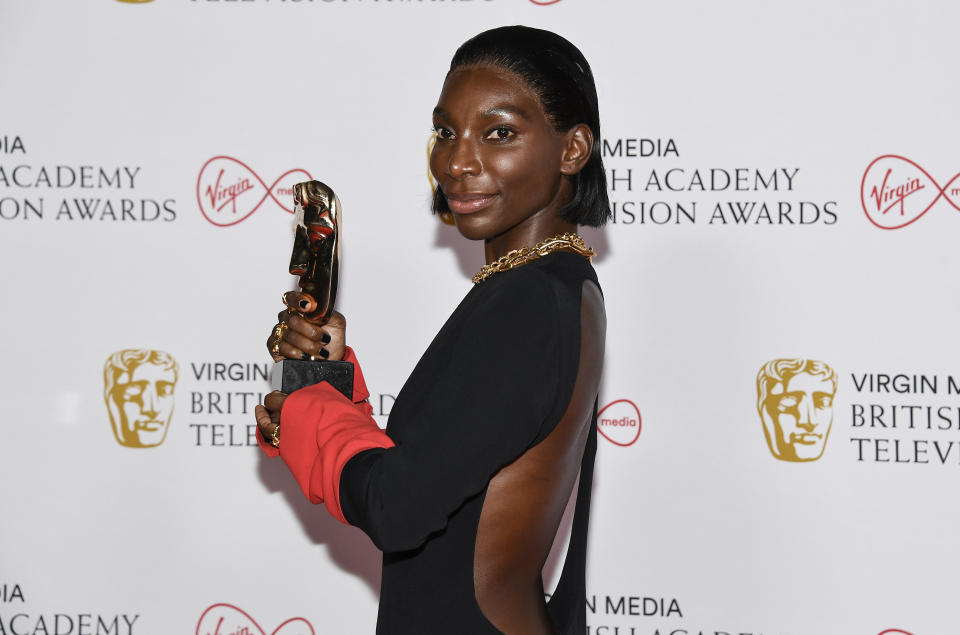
[498,394]
[495,395]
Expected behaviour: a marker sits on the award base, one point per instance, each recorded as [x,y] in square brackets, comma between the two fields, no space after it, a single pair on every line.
[292,374]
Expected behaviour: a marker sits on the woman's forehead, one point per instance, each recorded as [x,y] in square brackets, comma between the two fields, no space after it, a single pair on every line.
[485,89]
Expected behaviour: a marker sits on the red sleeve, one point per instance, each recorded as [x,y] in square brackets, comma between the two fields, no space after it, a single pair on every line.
[320,430]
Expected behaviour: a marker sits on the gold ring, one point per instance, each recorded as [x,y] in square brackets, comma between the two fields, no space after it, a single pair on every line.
[278,335]
[275,437]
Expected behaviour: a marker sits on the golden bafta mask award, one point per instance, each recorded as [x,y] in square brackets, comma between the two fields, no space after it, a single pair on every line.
[316,260]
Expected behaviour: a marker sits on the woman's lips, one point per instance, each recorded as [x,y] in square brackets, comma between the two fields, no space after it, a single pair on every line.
[469,203]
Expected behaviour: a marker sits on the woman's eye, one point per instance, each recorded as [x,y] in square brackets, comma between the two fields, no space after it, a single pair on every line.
[501,134]
[442,133]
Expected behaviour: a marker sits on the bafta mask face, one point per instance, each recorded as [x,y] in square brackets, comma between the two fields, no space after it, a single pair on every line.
[316,248]
[139,396]
[796,405]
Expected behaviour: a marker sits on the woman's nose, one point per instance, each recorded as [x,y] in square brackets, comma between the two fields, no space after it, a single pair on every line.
[464,160]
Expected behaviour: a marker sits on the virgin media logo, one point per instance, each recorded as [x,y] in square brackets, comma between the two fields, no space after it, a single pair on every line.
[229,191]
[544,3]
[619,422]
[895,192]
[894,631]
[226,619]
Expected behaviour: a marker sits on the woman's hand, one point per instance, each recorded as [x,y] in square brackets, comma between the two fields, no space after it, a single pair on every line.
[268,415]
[293,337]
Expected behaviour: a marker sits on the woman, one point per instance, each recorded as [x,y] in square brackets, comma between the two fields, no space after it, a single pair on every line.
[465,491]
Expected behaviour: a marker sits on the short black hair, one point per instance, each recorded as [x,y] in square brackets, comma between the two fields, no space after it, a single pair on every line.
[560,76]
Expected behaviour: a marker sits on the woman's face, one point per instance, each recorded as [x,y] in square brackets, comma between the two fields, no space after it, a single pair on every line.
[497,158]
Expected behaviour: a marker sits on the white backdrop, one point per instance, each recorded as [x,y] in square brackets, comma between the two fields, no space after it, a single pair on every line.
[110,116]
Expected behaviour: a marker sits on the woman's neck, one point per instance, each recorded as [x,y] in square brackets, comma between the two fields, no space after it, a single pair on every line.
[527,234]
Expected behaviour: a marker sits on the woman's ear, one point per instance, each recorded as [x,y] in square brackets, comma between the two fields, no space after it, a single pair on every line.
[576,152]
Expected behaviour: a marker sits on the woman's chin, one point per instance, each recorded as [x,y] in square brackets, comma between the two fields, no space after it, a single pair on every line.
[471,228]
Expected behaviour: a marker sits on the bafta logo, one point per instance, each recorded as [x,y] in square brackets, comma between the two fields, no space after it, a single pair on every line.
[795,401]
[138,387]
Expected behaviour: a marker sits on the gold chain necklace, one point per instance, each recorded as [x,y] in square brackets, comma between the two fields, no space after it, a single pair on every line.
[522,256]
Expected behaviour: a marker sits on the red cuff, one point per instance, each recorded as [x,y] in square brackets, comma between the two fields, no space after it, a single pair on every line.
[360,392]
[320,431]
[360,396]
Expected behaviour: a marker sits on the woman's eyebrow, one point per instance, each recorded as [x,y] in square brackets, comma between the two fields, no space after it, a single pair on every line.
[499,111]
[496,111]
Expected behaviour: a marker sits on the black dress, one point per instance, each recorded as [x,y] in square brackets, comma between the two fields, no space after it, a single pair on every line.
[493,383]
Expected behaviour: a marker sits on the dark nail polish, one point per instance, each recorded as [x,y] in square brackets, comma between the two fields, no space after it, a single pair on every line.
[304,356]
[325,338]
[323,353]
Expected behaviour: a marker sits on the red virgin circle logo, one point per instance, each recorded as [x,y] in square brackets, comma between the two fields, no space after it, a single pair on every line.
[895,191]
[619,422]
[226,619]
[544,3]
[229,191]
[895,631]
